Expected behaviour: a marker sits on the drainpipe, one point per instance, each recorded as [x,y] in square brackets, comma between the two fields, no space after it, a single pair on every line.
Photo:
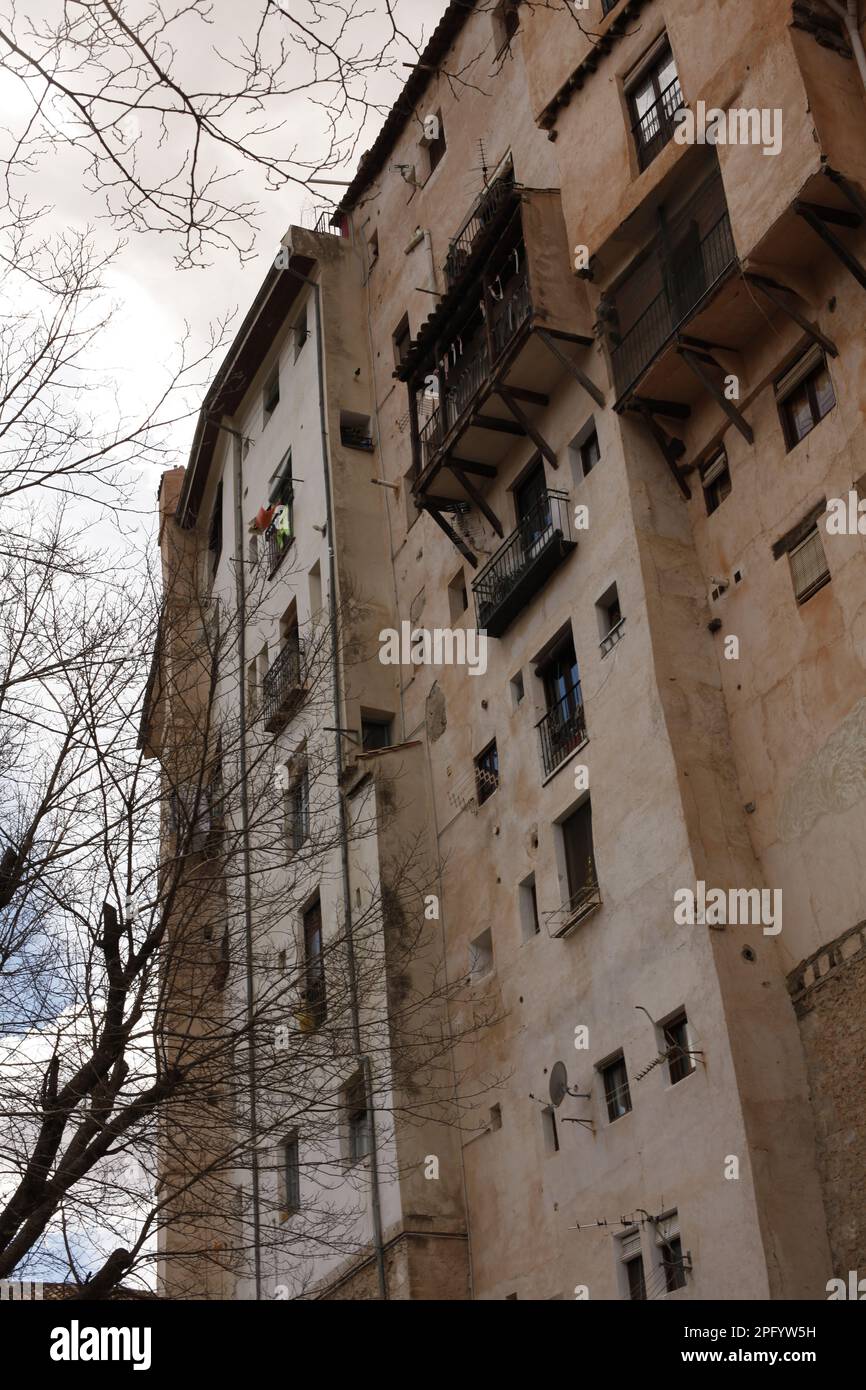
[241,605]
[344,822]
[849,17]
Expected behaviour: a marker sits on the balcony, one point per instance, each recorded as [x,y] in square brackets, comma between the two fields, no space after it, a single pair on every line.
[655,127]
[523,563]
[283,688]
[500,194]
[562,730]
[669,281]
[584,901]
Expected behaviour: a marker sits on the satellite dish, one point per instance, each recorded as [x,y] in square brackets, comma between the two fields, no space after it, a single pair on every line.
[558,1083]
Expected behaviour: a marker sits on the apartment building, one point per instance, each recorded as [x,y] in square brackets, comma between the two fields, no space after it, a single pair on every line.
[611,375]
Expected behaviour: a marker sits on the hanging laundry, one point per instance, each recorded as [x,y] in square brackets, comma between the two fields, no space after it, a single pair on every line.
[264,517]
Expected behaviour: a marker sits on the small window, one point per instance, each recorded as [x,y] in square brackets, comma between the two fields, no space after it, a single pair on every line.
[518,689]
[670,1251]
[281,491]
[436,148]
[375,733]
[315,1004]
[635,1277]
[215,531]
[355,432]
[804,396]
[616,1092]
[551,1134]
[373,250]
[589,453]
[495,1117]
[458,596]
[716,481]
[290,1195]
[609,615]
[506,22]
[654,98]
[301,333]
[481,955]
[577,847]
[271,393]
[631,1281]
[809,568]
[298,808]
[528,903]
[359,1130]
[486,773]
[678,1048]
[402,341]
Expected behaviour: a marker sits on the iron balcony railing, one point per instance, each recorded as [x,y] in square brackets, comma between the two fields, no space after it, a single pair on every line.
[283,687]
[472,367]
[279,539]
[479,218]
[562,729]
[687,281]
[656,126]
[580,904]
[544,527]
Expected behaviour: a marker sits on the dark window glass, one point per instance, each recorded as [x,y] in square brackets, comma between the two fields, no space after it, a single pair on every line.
[636,1285]
[589,453]
[375,734]
[314,964]
[579,857]
[672,1259]
[716,480]
[215,533]
[616,1092]
[358,1122]
[486,773]
[680,1062]
[655,98]
[805,407]
[292,1174]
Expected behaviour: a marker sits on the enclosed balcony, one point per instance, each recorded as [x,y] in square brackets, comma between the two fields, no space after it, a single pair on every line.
[283,687]
[562,730]
[690,255]
[524,562]
[483,368]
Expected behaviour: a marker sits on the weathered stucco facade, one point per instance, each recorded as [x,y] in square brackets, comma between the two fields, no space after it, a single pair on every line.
[595,312]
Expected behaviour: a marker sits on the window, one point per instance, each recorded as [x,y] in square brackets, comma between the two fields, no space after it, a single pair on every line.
[314,967]
[271,393]
[716,481]
[804,396]
[355,432]
[481,955]
[631,1280]
[402,341]
[654,97]
[359,1131]
[517,689]
[528,903]
[496,1116]
[315,589]
[609,619]
[670,1251]
[215,531]
[290,1194]
[486,773]
[436,147]
[506,22]
[809,568]
[634,1274]
[533,510]
[458,596]
[678,1047]
[375,732]
[576,834]
[589,453]
[301,333]
[281,490]
[373,250]
[548,1125]
[608,5]
[256,672]
[563,727]
[616,1092]
[298,808]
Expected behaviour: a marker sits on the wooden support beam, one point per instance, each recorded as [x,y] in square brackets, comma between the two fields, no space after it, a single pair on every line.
[693,361]
[483,470]
[579,338]
[427,504]
[538,440]
[492,422]
[853,194]
[531,397]
[774,292]
[850,261]
[672,449]
[838,217]
[547,337]
[676,410]
[704,345]
[472,491]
